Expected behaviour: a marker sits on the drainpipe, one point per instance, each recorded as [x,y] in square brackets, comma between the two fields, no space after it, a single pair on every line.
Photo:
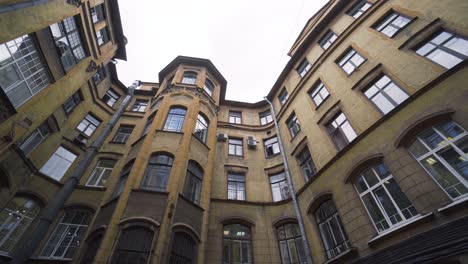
[291,186]
[27,246]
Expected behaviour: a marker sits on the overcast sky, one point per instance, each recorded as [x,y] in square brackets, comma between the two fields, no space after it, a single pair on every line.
[247,40]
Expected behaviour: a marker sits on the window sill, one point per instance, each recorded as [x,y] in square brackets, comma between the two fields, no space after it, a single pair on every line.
[398,228]
[453,204]
[52,259]
[95,188]
[117,143]
[273,156]
[338,258]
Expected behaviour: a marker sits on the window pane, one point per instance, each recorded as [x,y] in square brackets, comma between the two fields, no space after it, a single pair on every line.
[446,179]
[375,212]
[455,159]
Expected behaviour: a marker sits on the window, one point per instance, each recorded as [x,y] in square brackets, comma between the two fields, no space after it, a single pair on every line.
[319,93]
[359,9]
[279,187]
[58,163]
[15,218]
[236,186]
[442,152]
[328,40]
[385,94]
[98,13]
[183,249]
[88,125]
[134,246]
[99,75]
[446,49]
[237,244]
[351,61]
[122,135]
[193,182]
[291,244]
[283,96]
[111,97]
[22,71]
[69,42]
[303,68]
[235,147]
[122,179]
[307,165]
[265,117]
[157,172]
[100,174]
[102,36]
[386,204]
[72,102]
[271,147]
[189,78]
[148,124]
[235,117]
[201,128]
[341,131]
[68,235]
[331,229]
[392,24]
[175,119]
[293,125]
[139,106]
[208,87]
[35,138]
[92,246]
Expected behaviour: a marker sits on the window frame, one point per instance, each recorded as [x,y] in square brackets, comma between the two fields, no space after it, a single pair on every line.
[111,96]
[89,119]
[42,131]
[53,174]
[317,91]
[236,147]
[209,87]
[387,21]
[293,122]
[304,159]
[124,135]
[99,18]
[186,78]
[123,177]
[272,146]
[332,134]
[201,128]
[238,182]
[296,239]
[176,118]
[280,184]
[139,106]
[264,116]
[344,60]
[235,117]
[102,173]
[381,91]
[76,99]
[153,171]
[303,68]
[126,231]
[283,96]
[103,36]
[193,184]
[328,39]
[100,75]
[228,242]
[357,9]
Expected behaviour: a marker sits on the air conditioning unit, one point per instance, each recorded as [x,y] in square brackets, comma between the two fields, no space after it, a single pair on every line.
[251,142]
[222,137]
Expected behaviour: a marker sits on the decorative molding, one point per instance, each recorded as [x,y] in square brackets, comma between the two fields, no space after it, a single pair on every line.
[92,66]
[76,3]
[196,91]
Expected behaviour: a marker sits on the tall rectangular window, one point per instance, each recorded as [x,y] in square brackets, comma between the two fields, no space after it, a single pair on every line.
[235,117]
[293,125]
[235,147]
[139,106]
[98,13]
[319,93]
[148,123]
[303,68]
[201,128]
[119,187]
[88,125]
[72,102]
[385,94]
[341,131]
[122,135]
[271,147]
[58,163]
[101,173]
[279,187]
[283,96]
[99,75]
[193,182]
[350,61]
[236,186]
[69,42]
[446,49]
[157,172]
[22,71]
[111,97]
[265,117]
[175,119]
[359,9]
[307,165]
[102,36]
[328,40]
[392,24]
[35,138]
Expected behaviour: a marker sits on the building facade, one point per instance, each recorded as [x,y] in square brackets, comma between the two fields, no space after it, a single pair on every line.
[360,158]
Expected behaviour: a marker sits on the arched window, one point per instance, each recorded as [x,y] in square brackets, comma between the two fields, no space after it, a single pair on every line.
[237,244]
[291,244]
[386,204]
[189,77]
[175,119]
[134,246]
[201,128]
[118,189]
[209,87]
[157,172]
[92,246]
[68,234]
[331,229]
[193,182]
[183,249]
[15,219]
[442,151]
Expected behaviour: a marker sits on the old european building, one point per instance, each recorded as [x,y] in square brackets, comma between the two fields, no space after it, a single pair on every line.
[360,158]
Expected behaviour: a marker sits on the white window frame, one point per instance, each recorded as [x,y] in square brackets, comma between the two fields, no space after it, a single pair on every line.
[238,184]
[139,106]
[382,91]
[235,117]
[101,174]
[209,87]
[238,148]
[112,97]
[388,22]
[359,9]
[303,68]
[319,94]
[328,40]
[37,133]
[122,137]
[293,124]
[349,58]
[265,117]
[188,78]
[89,122]
[439,47]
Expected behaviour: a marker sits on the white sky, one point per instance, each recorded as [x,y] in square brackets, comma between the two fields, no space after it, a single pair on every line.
[247,40]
